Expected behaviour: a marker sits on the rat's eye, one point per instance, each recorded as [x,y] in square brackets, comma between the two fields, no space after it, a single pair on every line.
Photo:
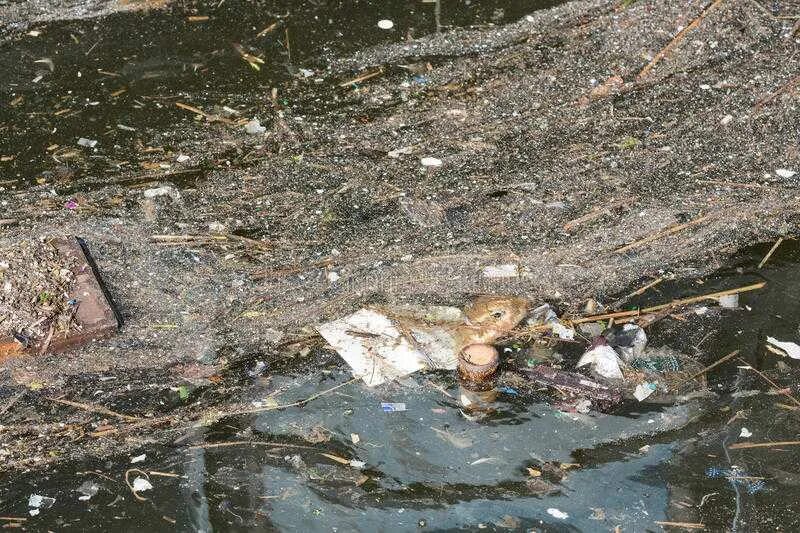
[497,314]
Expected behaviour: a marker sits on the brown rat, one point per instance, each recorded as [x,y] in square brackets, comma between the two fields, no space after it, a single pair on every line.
[488,318]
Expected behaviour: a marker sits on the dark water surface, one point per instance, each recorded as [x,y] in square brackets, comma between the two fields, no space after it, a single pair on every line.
[116,79]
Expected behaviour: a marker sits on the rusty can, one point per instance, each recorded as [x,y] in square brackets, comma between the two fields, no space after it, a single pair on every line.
[478,363]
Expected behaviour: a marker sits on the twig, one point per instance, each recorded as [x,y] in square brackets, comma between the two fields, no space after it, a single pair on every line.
[95,409]
[771,251]
[673,303]
[14,518]
[684,525]
[637,292]
[787,87]
[203,114]
[706,369]
[362,78]
[7,221]
[663,233]
[208,239]
[772,383]
[294,404]
[267,30]
[212,445]
[746,445]
[597,212]
[163,474]
[678,38]
[127,482]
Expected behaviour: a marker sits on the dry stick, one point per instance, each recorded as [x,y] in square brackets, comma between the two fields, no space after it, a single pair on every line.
[202,113]
[746,445]
[771,251]
[674,303]
[678,38]
[295,404]
[663,233]
[772,383]
[95,409]
[267,30]
[7,221]
[788,86]
[684,525]
[597,212]
[133,491]
[13,518]
[212,445]
[637,292]
[362,78]
[709,367]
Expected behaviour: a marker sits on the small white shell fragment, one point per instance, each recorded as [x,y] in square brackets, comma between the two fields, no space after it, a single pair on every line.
[88,143]
[745,433]
[785,173]
[430,162]
[501,271]
[385,24]
[140,484]
[555,513]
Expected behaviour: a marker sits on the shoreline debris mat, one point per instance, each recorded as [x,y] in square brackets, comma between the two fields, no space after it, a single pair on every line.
[75,312]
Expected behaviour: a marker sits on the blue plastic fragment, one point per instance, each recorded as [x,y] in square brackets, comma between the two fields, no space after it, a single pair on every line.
[392,407]
[508,390]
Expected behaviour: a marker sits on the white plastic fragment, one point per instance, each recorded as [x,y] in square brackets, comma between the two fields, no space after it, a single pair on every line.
[88,143]
[37,501]
[792,349]
[141,484]
[785,173]
[729,301]
[357,464]
[726,120]
[501,271]
[430,162]
[604,361]
[397,152]
[377,350]
[355,438]
[563,332]
[644,390]
[385,24]
[745,433]
[164,190]
[555,513]
[182,158]
[254,127]
[138,458]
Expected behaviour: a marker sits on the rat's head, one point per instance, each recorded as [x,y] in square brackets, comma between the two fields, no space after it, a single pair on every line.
[502,313]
